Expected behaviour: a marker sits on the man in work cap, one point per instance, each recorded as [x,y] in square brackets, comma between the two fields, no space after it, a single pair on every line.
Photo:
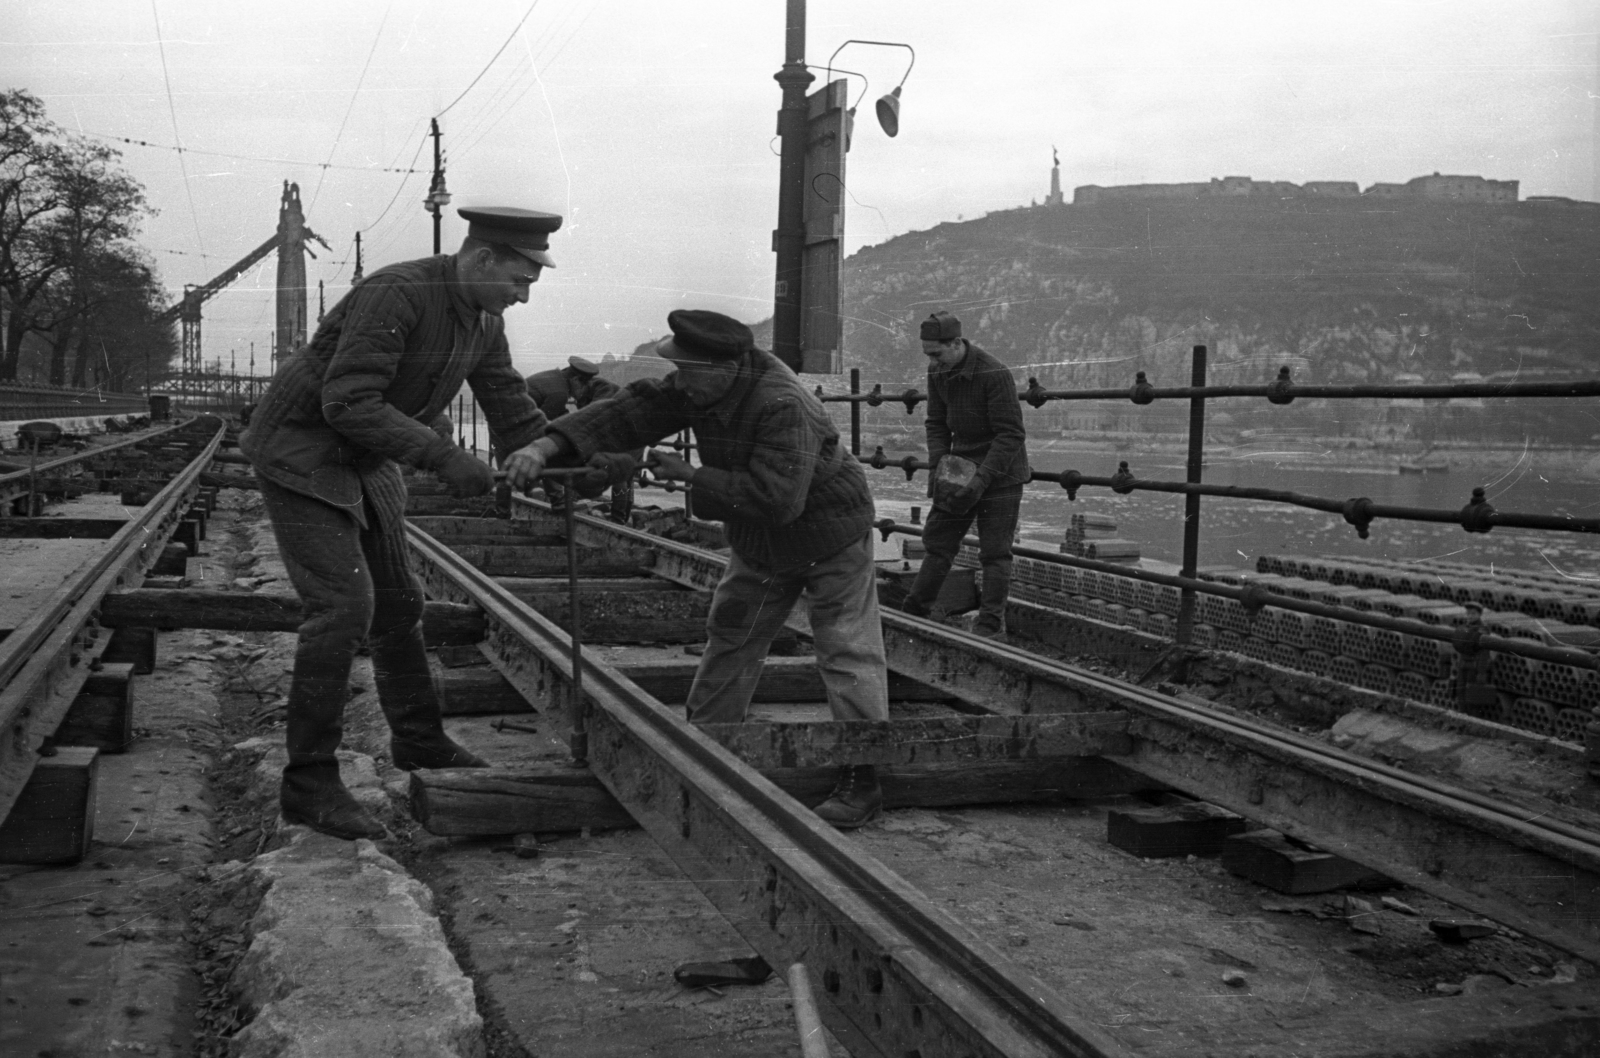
[326,440]
[580,383]
[974,427]
[798,516]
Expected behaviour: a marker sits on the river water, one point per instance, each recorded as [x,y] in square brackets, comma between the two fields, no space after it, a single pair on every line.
[1236,532]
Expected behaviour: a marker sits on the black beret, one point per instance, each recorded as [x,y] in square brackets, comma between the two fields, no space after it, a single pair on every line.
[941,327]
[526,231]
[699,334]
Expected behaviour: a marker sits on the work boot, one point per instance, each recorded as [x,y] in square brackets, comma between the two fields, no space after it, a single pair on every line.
[410,702]
[313,795]
[991,620]
[913,606]
[857,799]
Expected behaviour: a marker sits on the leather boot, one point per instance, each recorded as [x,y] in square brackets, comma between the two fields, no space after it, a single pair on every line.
[313,795]
[410,702]
[992,601]
[857,799]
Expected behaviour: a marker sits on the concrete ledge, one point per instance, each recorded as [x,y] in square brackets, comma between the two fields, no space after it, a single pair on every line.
[347,958]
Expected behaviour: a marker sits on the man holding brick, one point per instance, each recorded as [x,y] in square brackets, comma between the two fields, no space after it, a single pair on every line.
[973,414]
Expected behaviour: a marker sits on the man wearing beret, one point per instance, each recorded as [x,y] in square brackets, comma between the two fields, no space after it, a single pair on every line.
[798,514]
[579,382]
[973,412]
[325,441]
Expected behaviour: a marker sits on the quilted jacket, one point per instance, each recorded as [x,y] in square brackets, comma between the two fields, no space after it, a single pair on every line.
[973,412]
[772,468]
[549,390]
[384,363]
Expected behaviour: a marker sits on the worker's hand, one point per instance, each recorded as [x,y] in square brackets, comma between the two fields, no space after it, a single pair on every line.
[670,466]
[526,464]
[466,474]
[605,470]
[963,499]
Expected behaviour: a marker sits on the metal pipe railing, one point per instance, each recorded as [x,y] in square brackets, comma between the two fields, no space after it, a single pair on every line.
[1281,390]
[1478,516]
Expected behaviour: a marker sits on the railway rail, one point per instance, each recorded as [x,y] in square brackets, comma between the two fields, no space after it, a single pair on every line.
[898,976]
[49,655]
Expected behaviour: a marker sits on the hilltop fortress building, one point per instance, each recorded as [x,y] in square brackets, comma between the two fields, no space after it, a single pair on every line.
[1437,187]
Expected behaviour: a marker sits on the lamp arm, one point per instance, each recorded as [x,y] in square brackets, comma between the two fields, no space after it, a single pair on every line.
[881,44]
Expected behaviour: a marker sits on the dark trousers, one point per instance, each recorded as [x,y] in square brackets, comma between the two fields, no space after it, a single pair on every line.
[354,584]
[996,513]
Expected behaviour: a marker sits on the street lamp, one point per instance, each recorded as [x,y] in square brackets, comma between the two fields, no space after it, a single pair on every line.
[888,106]
[438,197]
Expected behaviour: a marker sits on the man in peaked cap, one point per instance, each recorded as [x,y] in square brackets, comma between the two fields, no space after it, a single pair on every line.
[974,414]
[798,515]
[326,441]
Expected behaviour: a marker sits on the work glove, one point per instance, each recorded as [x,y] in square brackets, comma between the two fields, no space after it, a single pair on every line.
[605,470]
[962,500]
[465,474]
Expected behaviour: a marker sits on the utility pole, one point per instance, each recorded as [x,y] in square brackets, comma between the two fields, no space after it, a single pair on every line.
[788,241]
[356,278]
[438,197]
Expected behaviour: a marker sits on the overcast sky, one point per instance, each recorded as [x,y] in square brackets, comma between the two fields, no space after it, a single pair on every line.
[650,125]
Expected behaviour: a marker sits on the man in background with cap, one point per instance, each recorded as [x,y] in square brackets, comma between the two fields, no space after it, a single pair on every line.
[579,382]
[325,441]
[973,412]
[798,514]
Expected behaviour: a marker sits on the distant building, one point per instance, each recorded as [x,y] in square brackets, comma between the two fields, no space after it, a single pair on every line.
[1437,186]
[1054,198]
[1463,188]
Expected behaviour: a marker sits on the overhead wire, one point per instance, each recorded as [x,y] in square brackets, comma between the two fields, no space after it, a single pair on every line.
[533,62]
[509,37]
[246,157]
[347,110]
[172,111]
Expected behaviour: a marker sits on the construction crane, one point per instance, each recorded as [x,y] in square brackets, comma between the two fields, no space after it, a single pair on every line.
[290,242]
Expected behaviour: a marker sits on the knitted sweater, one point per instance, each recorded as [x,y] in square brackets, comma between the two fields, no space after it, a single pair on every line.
[772,468]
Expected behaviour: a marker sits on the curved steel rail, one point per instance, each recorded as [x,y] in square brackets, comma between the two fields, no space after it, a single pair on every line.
[899,976]
[45,661]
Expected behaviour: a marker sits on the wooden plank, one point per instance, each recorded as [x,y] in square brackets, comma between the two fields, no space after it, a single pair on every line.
[61,528]
[538,561]
[923,740]
[666,616]
[1267,858]
[526,588]
[554,797]
[167,608]
[478,690]
[101,715]
[782,680]
[52,819]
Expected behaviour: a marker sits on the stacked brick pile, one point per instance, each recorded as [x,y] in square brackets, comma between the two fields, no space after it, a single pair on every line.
[1548,698]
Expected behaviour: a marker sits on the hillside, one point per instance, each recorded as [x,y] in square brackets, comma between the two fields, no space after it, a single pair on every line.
[1340,289]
